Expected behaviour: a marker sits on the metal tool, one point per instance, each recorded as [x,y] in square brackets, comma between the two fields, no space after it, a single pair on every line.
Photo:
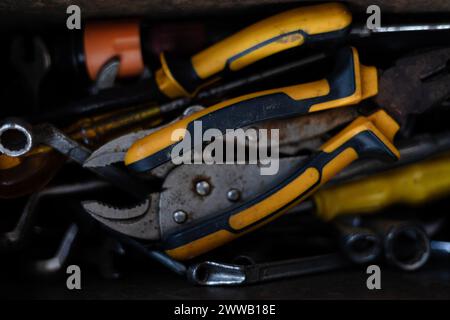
[16,238]
[415,84]
[211,273]
[329,23]
[186,233]
[365,31]
[440,249]
[55,263]
[184,76]
[17,138]
[406,244]
[103,256]
[348,84]
[295,134]
[426,76]
[244,182]
[359,244]
[91,130]
[230,185]
[25,174]
[107,75]
[413,149]
[186,238]
[181,76]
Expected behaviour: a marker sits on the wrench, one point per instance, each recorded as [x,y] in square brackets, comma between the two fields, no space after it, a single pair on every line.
[15,238]
[26,137]
[210,273]
[406,244]
[359,244]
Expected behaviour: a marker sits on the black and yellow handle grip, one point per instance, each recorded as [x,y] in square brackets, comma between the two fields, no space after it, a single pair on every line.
[347,84]
[364,137]
[293,28]
[411,185]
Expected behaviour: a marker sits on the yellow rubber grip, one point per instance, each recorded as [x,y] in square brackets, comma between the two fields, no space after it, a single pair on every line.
[348,84]
[312,20]
[175,132]
[361,138]
[411,185]
[283,31]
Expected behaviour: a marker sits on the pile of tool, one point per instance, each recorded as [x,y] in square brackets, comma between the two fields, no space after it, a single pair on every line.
[363,143]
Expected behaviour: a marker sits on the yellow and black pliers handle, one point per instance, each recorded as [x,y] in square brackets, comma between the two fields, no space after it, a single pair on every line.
[365,137]
[347,84]
[293,28]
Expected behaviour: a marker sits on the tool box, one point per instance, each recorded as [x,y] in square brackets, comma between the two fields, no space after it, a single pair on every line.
[225,150]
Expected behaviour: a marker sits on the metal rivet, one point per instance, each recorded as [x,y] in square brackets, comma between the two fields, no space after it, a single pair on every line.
[203,188]
[233,195]
[180,216]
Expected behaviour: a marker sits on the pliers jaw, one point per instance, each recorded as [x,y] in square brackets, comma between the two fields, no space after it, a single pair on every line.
[415,84]
[141,221]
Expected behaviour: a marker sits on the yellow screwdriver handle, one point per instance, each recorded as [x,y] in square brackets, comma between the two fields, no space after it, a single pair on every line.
[412,185]
[293,28]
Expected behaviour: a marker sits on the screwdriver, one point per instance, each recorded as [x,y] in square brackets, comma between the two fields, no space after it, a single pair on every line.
[412,185]
[329,23]
[183,77]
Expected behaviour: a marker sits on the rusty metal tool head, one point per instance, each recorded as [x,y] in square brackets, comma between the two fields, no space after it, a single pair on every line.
[415,84]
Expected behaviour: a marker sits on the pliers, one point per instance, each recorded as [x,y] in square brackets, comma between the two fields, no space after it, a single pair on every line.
[182,235]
